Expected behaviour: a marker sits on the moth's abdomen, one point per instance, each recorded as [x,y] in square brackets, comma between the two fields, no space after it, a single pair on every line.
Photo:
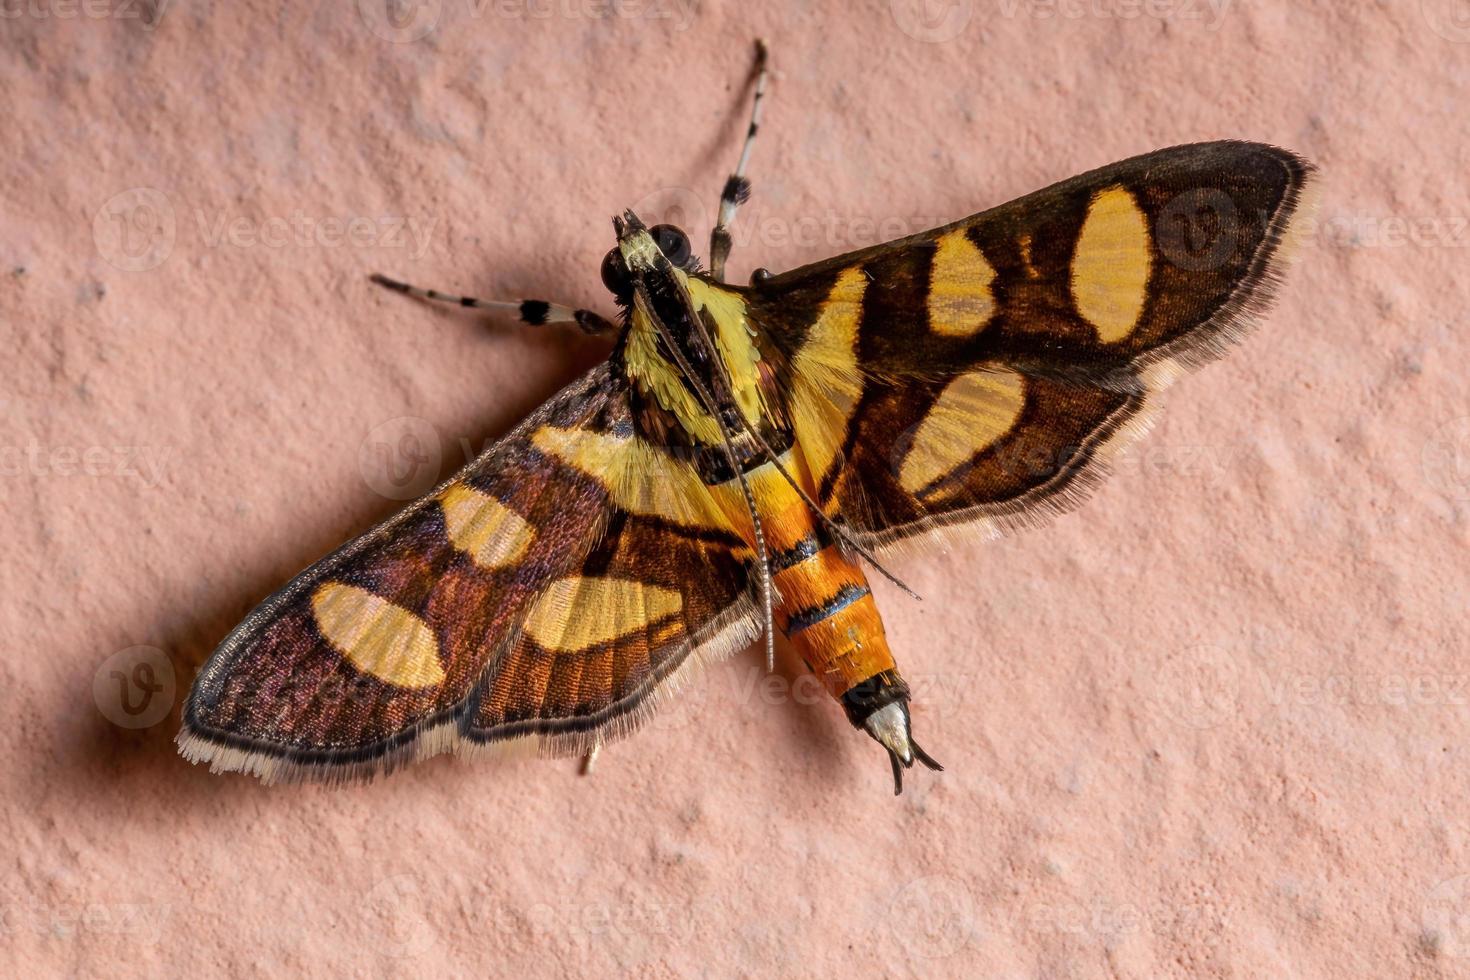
[831,619]
[823,605]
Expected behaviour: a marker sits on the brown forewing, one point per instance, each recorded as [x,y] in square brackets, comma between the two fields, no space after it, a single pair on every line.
[1211,222]
[278,699]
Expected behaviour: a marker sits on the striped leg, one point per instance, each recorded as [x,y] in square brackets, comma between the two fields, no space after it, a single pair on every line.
[737,188]
[530,311]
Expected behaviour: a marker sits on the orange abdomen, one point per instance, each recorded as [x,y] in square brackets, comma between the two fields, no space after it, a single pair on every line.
[823,605]
[829,615]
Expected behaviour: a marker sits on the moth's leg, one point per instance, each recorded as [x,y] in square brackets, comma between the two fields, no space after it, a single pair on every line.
[737,188]
[589,760]
[534,312]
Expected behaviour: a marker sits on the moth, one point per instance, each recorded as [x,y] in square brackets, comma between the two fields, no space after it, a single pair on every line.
[741,461]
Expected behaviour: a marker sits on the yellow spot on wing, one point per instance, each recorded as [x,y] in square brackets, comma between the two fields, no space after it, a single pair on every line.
[578,612]
[974,411]
[826,383]
[378,637]
[493,535]
[960,302]
[640,478]
[1111,265]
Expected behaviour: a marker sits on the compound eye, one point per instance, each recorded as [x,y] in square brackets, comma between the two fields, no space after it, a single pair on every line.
[673,243]
[615,275]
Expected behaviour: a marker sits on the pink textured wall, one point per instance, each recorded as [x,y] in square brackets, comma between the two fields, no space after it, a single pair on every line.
[1214,724]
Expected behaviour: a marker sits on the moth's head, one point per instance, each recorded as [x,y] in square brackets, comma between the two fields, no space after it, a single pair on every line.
[644,255]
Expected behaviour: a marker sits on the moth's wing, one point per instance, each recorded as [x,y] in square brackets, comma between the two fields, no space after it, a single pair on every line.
[982,372]
[520,601]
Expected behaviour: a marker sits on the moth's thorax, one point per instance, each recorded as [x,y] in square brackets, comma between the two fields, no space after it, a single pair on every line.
[674,413]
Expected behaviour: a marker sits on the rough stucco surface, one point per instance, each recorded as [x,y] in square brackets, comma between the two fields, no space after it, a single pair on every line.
[1217,723]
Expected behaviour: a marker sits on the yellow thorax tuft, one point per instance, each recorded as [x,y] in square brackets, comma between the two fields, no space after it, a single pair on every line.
[734,340]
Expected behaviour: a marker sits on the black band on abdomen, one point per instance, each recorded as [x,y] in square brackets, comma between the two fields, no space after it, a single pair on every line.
[813,615]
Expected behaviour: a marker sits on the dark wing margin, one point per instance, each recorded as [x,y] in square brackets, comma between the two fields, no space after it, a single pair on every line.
[982,374]
[518,604]
[647,609]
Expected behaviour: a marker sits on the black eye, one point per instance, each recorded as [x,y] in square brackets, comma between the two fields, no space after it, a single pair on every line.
[672,242]
[615,275]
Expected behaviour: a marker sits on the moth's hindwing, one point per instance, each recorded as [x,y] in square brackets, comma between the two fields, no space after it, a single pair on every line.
[537,598]
[978,373]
